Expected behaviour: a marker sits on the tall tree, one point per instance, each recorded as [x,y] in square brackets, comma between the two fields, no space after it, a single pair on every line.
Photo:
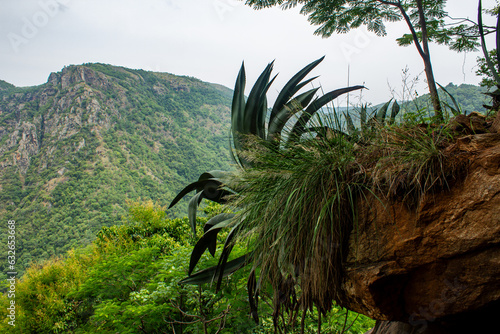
[424,18]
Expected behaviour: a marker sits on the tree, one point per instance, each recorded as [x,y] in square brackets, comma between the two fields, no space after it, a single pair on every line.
[424,18]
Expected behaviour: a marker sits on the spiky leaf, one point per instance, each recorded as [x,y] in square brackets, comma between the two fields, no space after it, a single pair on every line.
[299,127]
[292,87]
[208,239]
[295,105]
[207,275]
[456,110]
[192,208]
[394,112]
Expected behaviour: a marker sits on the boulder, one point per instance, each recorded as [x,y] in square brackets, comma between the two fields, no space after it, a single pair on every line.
[432,267]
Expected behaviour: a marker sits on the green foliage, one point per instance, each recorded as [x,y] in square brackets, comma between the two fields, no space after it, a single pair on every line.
[340,16]
[126,281]
[427,21]
[484,71]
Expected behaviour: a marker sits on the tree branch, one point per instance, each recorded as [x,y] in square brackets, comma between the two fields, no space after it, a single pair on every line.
[408,22]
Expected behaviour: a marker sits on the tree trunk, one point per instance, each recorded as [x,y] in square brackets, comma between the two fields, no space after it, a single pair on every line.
[423,50]
[431,83]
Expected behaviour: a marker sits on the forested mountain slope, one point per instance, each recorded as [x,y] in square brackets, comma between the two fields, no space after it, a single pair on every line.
[468,97]
[75,149]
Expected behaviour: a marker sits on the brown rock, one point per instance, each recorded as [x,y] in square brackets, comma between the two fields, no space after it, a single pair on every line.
[495,127]
[472,124]
[437,261]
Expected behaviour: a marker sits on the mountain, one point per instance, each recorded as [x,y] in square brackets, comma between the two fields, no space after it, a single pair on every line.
[468,97]
[76,149]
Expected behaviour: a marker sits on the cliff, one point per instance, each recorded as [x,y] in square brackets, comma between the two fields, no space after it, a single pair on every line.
[434,267]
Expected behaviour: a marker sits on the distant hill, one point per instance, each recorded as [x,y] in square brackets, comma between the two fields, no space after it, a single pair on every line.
[469,98]
[74,150]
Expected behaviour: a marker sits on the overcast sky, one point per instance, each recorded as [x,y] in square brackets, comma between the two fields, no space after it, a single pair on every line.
[208,39]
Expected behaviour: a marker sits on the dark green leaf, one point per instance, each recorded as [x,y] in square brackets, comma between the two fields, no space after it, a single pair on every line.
[226,251]
[214,221]
[381,113]
[253,296]
[295,105]
[210,237]
[299,127]
[192,208]
[394,112]
[292,87]
[207,275]
[456,110]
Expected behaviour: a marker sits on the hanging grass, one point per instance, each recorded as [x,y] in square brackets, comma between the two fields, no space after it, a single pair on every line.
[297,211]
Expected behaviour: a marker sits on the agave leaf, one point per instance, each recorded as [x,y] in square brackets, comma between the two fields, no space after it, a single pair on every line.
[216,220]
[213,175]
[260,126]
[233,151]
[238,109]
[199,186]
[184,192]
[207,275]
[209,238]
[456,110]
[299,127]
[295,105]
[228,247]
[212,191]
[212,222]
[394,112]
[362,115]
[350,124]
[192,207]
[292,87]
[381,113]
[253,295]
[253,108]
[304,83]
[249,117]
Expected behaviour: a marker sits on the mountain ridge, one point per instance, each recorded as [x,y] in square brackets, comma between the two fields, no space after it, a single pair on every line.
[75,149]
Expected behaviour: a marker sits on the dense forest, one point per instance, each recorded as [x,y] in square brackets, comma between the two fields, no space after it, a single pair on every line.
[127,281]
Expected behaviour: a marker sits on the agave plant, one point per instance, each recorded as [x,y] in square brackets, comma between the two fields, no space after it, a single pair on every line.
[377,117]
[251,118]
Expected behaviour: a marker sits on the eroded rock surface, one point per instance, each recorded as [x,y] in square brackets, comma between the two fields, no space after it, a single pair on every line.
[434,267]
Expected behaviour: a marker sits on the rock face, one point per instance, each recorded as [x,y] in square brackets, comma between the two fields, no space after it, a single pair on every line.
[433,268]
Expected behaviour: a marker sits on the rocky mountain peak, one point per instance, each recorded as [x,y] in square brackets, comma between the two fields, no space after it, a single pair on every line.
[78,73]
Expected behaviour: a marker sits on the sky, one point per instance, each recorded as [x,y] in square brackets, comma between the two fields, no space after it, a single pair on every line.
[209,39]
